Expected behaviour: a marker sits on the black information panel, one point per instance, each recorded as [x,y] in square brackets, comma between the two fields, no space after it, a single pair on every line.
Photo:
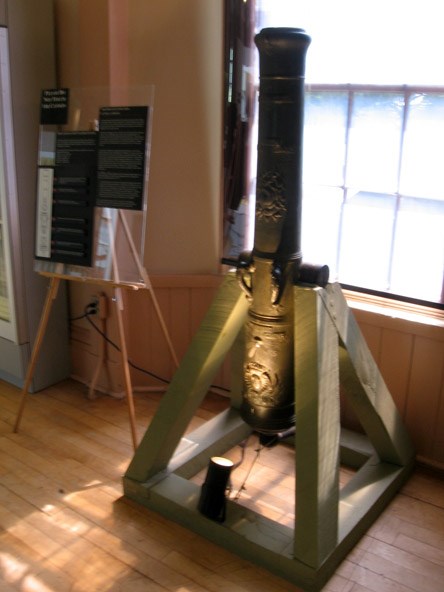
[54,106]
[92,175]
[121,157]
[66,200]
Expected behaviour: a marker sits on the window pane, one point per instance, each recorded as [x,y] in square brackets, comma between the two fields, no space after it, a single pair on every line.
[418,259]
[374,141]
[321,213]
[378,42]
[423,158]
[366,239]
[324,137]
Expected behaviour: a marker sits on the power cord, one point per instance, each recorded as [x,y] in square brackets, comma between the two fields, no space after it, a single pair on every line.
[116,347]
[91,309]
[242,486]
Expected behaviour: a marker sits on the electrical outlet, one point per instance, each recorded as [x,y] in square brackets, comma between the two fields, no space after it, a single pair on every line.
[92,308]
[98,305]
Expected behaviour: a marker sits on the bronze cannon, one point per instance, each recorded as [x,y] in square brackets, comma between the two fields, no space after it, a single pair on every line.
[268,273]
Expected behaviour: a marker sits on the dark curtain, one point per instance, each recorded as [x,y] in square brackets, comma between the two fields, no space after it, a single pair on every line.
[238,103]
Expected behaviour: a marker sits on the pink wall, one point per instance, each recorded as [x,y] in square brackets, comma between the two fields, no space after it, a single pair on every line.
[177,46]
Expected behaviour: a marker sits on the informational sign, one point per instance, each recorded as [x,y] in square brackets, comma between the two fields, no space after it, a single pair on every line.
[92,182]
[121,157]
[66,199]
[54,106]
[45,182]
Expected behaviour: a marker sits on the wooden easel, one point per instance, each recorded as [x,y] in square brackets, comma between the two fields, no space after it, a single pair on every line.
[118,298]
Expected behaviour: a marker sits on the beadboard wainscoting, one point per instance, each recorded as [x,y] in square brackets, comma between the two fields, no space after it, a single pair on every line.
[408,346]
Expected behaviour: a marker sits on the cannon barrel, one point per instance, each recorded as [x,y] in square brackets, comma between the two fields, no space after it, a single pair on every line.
[268,273]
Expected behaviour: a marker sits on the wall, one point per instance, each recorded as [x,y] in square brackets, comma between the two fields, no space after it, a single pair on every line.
[409,350]
[27,67]
[177,46]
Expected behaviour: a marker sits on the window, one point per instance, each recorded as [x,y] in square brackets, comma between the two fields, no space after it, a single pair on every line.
[373,198]
[373,205]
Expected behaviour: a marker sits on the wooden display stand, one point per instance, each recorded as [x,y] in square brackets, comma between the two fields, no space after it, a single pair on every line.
[118,298]
[329,351]
[109,220]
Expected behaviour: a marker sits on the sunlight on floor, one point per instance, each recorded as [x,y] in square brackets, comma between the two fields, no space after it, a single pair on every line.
[12,568]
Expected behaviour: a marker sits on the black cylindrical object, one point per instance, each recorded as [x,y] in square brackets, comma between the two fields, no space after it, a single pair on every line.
[212,500]
[268,273]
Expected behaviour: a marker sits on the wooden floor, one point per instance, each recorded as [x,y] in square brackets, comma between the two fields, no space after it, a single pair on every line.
[64,525]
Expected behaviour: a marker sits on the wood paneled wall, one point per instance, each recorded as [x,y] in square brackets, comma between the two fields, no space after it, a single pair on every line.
[410,355]
[409,350]
[183,301]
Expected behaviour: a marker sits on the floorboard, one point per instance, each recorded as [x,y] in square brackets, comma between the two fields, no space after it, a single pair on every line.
[64,525]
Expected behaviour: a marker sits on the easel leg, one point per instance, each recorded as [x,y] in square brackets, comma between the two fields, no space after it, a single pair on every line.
[162,323]
[51,296]
[126,371]
[144,275]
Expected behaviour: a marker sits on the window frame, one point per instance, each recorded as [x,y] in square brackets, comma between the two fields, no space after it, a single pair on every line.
[407,91]
[245,148]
